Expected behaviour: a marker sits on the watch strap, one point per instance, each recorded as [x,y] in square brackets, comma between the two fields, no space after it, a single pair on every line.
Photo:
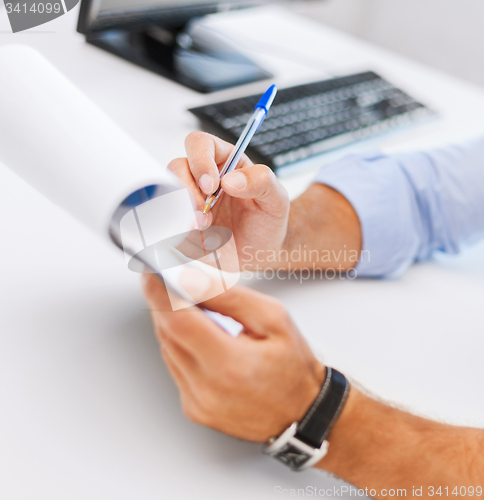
[316,425]
[304,444]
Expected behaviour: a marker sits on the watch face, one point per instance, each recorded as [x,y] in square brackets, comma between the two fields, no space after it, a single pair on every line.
[292,457]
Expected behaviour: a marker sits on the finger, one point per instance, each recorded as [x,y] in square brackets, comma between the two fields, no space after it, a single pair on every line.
[181,365]
[206,153]
[181,169]
[191,328]
[258,313]
[155,293]
[197,334]
[175,371]
[168,343]
[182,357]
[181,380]
[260,184]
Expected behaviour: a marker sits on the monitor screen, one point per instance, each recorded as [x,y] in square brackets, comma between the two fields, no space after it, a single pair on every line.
[109,5]
[164,36]
[112,14]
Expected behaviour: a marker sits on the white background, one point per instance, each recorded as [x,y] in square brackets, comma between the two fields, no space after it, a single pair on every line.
[446,34]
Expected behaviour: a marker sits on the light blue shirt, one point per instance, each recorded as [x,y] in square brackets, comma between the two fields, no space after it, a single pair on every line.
[412,205]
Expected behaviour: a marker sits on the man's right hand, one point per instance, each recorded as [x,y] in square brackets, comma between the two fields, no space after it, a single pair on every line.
[320,229]
[254,206]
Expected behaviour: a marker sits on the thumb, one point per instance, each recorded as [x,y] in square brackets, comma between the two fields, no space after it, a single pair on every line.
[259,313]
[259,183]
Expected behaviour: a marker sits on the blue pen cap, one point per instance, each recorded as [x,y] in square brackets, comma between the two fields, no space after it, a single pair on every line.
[266,100]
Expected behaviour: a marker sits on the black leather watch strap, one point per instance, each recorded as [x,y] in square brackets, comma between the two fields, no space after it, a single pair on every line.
[316,425]
[304,444]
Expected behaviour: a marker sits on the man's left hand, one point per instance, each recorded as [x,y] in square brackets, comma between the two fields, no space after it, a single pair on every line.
[251,387]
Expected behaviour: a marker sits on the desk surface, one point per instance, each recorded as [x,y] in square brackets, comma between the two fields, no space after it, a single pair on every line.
[87,409]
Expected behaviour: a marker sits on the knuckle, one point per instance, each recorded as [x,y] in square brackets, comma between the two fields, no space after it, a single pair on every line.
[192,412]
[160,333]
[268,172]
[268,184]
[203,410]
[176,164]
[266,175]
[206,398]
[229,375]
[275,306]
[173,321]
[151,285]
[195,136]
[277,312]
[234,295]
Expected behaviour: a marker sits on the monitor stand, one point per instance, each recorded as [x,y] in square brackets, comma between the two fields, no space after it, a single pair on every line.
[192,55]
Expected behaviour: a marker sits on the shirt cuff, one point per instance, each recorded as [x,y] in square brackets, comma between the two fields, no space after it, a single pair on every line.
[383,200]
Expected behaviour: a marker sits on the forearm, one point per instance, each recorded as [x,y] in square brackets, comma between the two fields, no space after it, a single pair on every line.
[412,205]
[377,447]
[323,232]
[380,213]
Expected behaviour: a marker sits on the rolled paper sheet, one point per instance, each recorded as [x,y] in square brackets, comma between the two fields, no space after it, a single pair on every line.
[62,144]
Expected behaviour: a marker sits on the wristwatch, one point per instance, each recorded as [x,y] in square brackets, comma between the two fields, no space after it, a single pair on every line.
[304,443]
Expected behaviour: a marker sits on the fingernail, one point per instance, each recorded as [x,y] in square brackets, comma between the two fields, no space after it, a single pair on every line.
[206,184]
[196,283]
[202,219]
[236,180]
[212,242]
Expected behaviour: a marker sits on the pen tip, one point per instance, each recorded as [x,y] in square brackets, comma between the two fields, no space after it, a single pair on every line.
[206,208]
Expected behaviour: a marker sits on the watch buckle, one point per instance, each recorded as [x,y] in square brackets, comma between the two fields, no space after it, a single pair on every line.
[275,447]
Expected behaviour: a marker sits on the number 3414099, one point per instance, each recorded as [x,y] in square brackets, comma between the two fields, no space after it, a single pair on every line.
[39,8]
[462,491]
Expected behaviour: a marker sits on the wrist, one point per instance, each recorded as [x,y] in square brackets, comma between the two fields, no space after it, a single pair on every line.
[308,390]
[305,441]
[367,433]
[341,450]
[379,448]
[323,231]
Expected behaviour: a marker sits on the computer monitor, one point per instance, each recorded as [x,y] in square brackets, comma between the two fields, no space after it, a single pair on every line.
[164,36]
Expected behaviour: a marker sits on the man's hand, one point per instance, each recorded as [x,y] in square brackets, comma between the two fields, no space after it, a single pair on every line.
[251,387]
[254,386]
[318,230]
[254,206]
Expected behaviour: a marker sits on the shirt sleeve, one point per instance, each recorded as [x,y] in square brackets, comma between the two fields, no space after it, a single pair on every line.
[412,205]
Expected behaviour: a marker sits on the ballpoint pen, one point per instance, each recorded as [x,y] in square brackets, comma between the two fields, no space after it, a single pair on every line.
[255,121]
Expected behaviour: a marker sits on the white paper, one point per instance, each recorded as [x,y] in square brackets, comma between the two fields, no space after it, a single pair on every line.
[62,144]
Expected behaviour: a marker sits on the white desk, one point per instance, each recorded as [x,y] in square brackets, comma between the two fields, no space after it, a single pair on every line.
[87,409]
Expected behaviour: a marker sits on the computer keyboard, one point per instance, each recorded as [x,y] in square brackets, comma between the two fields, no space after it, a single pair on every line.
[310,119]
